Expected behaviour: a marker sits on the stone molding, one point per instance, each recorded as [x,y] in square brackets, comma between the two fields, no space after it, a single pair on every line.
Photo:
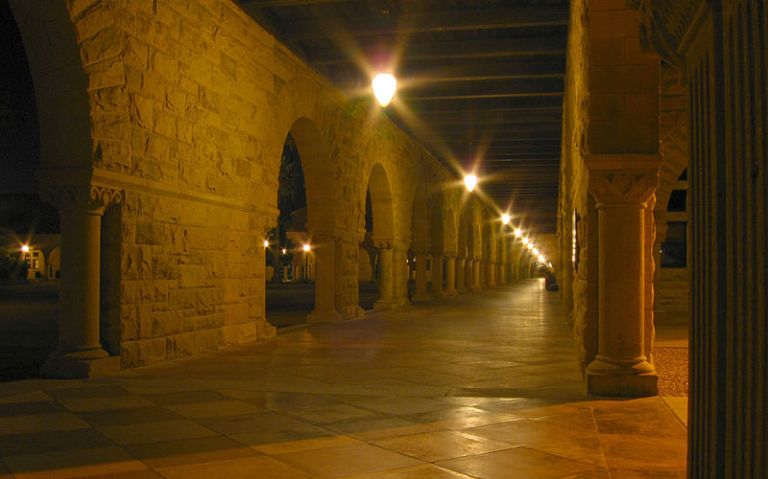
[72,198]
[384,244]
[623,179]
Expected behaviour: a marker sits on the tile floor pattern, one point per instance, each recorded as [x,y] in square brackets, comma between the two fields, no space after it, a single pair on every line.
[482,386]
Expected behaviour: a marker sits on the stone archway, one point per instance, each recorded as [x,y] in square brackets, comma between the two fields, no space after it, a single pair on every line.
[420,232]
[382,234]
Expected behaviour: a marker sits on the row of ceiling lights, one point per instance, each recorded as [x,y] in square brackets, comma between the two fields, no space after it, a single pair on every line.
[384,87]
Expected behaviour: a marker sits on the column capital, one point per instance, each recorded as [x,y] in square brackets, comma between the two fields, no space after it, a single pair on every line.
[623,179]
[384,244]
[92,198]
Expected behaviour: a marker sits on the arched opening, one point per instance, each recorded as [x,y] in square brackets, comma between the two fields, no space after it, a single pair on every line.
[419,247]
[289,262]
[29,229]
[378,242]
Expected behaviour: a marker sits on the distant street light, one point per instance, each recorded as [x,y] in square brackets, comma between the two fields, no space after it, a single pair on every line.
[25,248]
[518,233]
[505,218]
[266,243]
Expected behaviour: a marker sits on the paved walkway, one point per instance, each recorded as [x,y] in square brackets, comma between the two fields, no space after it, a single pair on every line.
[480,386]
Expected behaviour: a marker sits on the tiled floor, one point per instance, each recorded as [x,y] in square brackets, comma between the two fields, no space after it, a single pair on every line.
[482,386]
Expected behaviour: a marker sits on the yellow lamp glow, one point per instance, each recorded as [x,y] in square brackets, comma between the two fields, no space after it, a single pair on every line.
[470,181]
[526,241]
[518,233]
[384,87]
[266,243]
[284,251]
[25,248]
[505,218]
[306,248]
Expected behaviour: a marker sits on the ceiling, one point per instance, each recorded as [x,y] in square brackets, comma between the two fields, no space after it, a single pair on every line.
[481,81]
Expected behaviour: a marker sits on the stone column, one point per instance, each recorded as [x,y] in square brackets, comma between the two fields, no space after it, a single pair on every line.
[477,285]
[621,367]
[400,277]
[80,353]
[450,275]
[386,276]
[437,276]
[421,293]
[461,275]
[469,268]
[324,249]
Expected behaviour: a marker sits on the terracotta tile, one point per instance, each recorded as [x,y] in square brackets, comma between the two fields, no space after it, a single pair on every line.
[441,445]
[526,463]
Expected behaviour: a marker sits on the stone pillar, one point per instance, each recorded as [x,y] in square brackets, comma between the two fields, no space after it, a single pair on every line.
[437,276]
[461,275]
[386,276]
[621,367]
[324,249]
[476,270]
[469,269]
[80,353]
[421,293]
[450,275]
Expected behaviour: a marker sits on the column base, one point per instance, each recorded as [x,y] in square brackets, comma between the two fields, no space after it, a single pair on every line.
[353,312]
[451,292]
[635,379]
[439,295]
[421,297]
[384,305]
[332,316]
[80,364]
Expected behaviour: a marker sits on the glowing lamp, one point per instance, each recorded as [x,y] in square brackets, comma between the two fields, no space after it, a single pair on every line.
[284,251]
[384,87]
[470,181]
[505,218]
[526,241]
[518,233]
[266,243]
[306,248]
[25,248]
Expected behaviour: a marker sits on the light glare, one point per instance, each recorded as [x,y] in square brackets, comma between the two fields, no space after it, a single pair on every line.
[384,87]
[306,248]
[266,243]
[25,248]
[470,181]
[505,218]
[518,233]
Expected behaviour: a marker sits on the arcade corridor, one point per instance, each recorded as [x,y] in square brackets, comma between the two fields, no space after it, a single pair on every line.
[476,386]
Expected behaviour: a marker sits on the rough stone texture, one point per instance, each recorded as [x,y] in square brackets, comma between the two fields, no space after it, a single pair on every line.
[184,107]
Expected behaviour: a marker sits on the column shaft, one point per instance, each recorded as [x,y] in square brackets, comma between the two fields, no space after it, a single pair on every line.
[450,273]
[437,276]
[421,293]
[385,300]
[325,282]
[461,275]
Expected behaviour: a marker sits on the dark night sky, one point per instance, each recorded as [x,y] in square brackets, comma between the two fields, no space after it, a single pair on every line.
[19,137]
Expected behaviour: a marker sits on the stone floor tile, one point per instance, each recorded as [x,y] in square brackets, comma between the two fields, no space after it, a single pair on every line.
[40,442]
[189,451]
[646,474]
[68,464]
[333,413]
[263,422]
[104,403]
[87,391]
[322,442]
[257,467]
[381,427]
[30,408]
[402,406]
[145,474]
[155,432]
[30,397]
[520,463]
[460,418]
[641,418]
[214,409]
[125,417]
[184,397]
[422,471]
[526,432]
[39,423]
[641,453]
[441,445]
[346,460]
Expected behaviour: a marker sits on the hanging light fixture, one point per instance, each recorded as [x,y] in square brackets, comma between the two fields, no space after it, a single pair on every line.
[470,181]
[518,233]
[384,86]
[505,218]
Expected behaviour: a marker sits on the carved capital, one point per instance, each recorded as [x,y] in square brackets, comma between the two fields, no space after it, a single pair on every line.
[383,244]
[622,187]
[88,198]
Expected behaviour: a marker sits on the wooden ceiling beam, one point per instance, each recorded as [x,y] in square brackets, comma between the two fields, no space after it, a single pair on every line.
[428,21]
[453,49]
